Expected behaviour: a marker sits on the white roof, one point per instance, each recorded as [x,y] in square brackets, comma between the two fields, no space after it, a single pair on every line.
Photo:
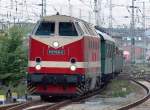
[62,18]
[105,36]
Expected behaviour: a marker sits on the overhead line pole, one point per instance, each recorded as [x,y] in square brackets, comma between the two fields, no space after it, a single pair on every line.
[70,8]
[42,8]
[144,37]
[110,13]
[80,14]
[100,12]
[110,17]
[43,11]
[132,35]
[96,12]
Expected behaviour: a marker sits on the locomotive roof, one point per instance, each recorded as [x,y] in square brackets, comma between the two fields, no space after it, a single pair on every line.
[61,18]
[105,36]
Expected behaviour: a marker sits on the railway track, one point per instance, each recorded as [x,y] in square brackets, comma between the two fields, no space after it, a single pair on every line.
[63,103]
[5,107]
[38,105]
[129,106]
[19,106]
[50,106]
[146,85]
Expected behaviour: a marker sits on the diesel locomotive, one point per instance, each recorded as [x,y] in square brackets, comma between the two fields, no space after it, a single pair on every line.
[64,57]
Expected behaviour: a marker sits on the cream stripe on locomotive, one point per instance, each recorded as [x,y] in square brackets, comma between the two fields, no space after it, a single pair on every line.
[62,40]
[59,64]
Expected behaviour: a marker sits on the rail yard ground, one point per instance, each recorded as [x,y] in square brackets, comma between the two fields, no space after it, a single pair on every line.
[119,88]
[117,93]
[111,98]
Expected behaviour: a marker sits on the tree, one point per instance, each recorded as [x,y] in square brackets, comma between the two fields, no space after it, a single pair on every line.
[13,56]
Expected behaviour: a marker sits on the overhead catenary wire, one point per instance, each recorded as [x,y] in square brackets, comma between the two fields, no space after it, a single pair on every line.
[27,9]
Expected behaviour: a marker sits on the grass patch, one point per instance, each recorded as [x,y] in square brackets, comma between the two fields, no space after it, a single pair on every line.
[119,88]
[2,91]
[20,89]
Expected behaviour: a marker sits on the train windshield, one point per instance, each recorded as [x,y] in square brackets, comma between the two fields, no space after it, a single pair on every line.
[45,28]
[67,29]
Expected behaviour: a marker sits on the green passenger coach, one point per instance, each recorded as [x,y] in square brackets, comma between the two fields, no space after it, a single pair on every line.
[107,56]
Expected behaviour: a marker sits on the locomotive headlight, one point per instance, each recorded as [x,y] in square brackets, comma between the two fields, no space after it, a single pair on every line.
[73,67]
[38,67]
[55,44]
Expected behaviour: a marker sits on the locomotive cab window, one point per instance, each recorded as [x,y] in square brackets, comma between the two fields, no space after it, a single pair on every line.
[46,28]
[67,29]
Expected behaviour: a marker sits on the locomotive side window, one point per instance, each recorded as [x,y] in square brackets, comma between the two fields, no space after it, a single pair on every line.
[46,28]
[89,29]
[79,28]
[84,28]
[67,29]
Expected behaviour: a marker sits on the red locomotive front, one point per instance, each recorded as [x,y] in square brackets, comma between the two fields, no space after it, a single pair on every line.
[58,60]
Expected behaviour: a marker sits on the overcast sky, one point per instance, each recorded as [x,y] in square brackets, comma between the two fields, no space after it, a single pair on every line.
[29,10]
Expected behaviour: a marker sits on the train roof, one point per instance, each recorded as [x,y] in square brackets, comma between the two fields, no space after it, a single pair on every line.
[64,18]
[105,36]
[87,28]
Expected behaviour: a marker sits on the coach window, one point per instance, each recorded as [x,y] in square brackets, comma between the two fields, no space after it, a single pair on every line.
[107,50]
[109,55]
[111,50]
[45,28]
[67,29]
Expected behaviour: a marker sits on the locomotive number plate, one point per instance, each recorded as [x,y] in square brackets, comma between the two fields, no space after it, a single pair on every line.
[56,52]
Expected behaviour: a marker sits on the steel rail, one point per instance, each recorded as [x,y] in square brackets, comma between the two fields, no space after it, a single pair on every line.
[5,107]
[18,106]
[140,101]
